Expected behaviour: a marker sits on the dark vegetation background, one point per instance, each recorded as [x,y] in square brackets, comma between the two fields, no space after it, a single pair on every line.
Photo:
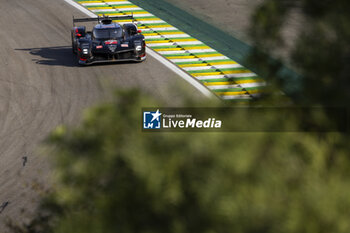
[321,53]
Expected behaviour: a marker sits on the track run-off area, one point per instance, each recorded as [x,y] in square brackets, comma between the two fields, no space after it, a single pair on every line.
[223,76]
[42,86]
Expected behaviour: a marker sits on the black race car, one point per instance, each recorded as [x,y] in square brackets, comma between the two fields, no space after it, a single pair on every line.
[108,41]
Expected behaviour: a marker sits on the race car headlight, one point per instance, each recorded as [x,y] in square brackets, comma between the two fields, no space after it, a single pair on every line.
[85,51]
[138,48]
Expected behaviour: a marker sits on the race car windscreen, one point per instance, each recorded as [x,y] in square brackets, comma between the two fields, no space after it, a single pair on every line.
[108,33]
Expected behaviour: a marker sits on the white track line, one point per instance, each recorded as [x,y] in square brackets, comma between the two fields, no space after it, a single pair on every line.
[238,75]
[104,10]
[160,29]
[181,73]
[117,2]
[158,57]
[210,67]
[94,4]
[116,9]
[145,21]
[141,15]
[177,60]
[81,8]
[105,3]
[244,85]
[175,43]
[174,52]
[168,36]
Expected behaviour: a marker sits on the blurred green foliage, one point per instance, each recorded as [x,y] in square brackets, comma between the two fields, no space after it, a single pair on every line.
[109,176]
[321,53]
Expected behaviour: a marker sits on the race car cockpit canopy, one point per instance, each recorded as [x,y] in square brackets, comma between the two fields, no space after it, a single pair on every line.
[107,33]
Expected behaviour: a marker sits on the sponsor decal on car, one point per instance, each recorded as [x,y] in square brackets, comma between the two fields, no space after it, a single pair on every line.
[125,45]
[99,47]
[112,48]
[111,42]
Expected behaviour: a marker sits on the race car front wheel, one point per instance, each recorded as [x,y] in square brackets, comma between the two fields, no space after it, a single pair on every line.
[141,58]
[74,50]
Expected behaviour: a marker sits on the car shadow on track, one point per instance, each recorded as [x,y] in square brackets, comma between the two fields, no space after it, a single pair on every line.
[58,56]
[53,56]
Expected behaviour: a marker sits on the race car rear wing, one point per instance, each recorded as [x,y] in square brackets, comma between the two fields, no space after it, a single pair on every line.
[103,19]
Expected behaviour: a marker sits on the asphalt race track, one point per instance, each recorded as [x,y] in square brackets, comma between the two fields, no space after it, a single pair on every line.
[42,86]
